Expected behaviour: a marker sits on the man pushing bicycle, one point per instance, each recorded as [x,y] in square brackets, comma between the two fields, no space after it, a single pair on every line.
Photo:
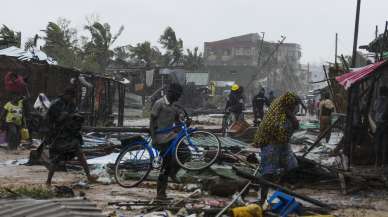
[164,114]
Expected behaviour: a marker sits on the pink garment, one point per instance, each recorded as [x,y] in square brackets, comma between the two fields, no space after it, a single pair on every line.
[14,85]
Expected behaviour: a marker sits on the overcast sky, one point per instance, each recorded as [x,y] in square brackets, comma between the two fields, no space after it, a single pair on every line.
[311,23]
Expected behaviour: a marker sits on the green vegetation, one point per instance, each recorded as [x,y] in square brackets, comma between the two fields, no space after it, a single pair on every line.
[9,37]
[94,52]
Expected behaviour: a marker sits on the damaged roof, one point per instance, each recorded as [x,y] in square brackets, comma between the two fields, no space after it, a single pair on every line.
[33,54]
[350,78]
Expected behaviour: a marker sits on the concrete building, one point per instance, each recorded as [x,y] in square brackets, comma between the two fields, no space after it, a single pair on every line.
[236,51]
[237,59]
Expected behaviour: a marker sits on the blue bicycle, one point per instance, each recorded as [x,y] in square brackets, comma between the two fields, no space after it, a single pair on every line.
[193,150]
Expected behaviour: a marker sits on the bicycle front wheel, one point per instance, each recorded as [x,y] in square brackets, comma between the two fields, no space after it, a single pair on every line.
[133,165]
[197,151]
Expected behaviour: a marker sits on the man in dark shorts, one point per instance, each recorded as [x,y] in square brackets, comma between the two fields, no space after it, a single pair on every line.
[64,139]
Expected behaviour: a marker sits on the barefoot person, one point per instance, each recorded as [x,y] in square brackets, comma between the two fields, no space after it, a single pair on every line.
[64,140]
[273,136]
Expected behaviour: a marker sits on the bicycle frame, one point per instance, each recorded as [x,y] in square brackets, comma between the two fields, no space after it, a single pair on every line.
[184,132]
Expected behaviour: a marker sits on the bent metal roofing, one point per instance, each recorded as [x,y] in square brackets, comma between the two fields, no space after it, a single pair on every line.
[71,207]
[350,78]
[27,55]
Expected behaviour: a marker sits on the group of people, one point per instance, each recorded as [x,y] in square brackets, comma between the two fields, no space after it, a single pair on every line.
[63,139]
[235,104]
[278,124]
[12,117]
[274,131]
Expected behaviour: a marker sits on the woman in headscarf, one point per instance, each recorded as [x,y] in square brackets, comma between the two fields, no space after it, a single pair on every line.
[272,138]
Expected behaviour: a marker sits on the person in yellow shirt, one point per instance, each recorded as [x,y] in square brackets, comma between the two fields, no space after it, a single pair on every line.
[13,118]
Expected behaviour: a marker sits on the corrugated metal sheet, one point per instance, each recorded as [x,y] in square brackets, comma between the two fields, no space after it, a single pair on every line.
[348,79]
[197,78]
[73,207]
[229,142]
[27,55]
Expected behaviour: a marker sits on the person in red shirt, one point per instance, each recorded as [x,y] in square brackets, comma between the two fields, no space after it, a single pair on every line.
[15,83]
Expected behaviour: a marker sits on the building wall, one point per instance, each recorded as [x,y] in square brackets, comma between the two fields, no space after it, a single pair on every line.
[241,50]
[237,59]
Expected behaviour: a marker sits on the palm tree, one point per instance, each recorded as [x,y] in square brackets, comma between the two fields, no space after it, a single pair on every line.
[122,52]
[173,46]
[193,60]
[61,43]
[144,54]
[98,48]
[9,37]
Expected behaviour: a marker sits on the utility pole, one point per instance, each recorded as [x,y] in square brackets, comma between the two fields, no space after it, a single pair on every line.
[376,35]
[356,34]
[308,76]
[261,49]
[283,38]
[336,51]
[382,44]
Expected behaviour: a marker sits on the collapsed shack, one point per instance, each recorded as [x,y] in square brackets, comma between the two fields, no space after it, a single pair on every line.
[148,83]
[363,85]
[98,97]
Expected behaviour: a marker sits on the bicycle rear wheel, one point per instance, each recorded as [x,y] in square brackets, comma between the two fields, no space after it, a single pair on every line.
[133,165]
[197,151]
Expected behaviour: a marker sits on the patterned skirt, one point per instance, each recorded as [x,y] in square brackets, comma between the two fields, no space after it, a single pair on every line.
[276,159]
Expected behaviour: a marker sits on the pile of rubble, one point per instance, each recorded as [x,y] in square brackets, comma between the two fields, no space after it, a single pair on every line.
[230,182]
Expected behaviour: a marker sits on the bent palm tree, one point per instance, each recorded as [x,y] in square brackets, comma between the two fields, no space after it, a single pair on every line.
[101,40]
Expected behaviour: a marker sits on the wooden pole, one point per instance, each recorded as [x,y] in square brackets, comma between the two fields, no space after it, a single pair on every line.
[267,60]
[120,119]
[345,63]
[239,194]
[261,50]
[376,36]
[320,137]
[336,51]
[382,44]
[355,41]
[329,85]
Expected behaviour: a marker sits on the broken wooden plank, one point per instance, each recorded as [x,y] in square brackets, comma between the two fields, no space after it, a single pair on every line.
[138,129]
[343,183]
[320,137]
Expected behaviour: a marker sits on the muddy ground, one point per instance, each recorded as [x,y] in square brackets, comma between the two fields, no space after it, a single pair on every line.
[362,204]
